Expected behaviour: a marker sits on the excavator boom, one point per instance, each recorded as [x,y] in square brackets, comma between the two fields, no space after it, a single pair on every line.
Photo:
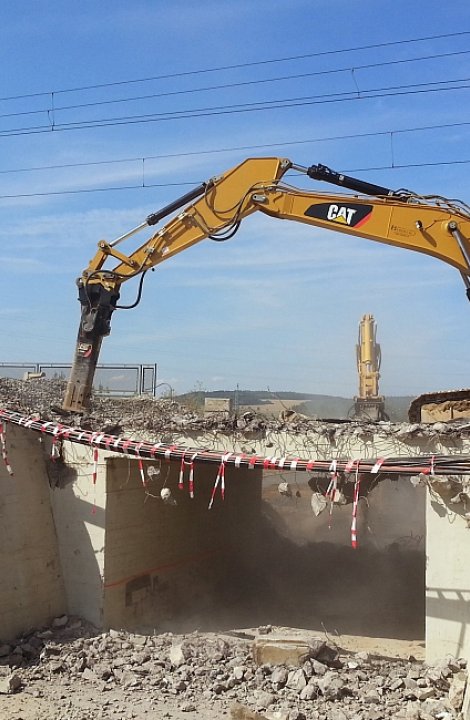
[215,209]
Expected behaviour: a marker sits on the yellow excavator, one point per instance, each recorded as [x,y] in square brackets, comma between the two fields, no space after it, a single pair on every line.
[368,405]
[428,224]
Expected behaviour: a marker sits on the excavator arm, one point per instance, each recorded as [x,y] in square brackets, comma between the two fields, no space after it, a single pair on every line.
[215,209]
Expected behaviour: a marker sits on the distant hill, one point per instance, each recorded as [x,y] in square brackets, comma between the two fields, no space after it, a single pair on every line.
[315,406]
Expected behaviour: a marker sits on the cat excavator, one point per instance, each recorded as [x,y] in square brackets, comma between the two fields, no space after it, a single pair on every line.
[368,405]
[215,209]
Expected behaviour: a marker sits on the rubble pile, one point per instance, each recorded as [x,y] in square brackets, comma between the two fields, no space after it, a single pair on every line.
[42,398]
[207,675]
[144,415]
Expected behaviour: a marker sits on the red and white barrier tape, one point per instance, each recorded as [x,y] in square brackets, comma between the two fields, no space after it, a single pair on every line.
[440,464]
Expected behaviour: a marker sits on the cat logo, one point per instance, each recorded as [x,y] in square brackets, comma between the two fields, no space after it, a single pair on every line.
[352,215]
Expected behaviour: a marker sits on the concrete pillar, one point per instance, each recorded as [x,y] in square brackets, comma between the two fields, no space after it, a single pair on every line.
[79,507]
[447,579]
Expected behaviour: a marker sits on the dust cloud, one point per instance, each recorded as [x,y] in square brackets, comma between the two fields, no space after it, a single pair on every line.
[298,572]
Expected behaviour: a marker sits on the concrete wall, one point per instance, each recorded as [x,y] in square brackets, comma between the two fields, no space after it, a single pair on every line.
[165,564]
[109,550]
[31,588]
[447,580]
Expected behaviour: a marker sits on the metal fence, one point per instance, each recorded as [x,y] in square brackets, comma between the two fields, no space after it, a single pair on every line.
[115,380]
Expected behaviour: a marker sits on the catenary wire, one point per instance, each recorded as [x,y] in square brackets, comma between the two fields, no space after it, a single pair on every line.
[373,93]
[148,186]
[237,66]
[228,86]
[327,138]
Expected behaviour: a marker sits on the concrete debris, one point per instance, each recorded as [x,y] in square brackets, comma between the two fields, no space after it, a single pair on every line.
[167,497]
[216,674]
[318,503]
[457,689]
[284,489]
[144,416]
[286,651]
[10,684]
[454,489]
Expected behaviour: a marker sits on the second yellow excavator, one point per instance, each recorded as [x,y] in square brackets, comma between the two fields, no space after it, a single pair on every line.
[427,224]
[369,404]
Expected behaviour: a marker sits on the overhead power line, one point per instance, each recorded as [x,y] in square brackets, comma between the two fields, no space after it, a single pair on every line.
[237,66]
[54,108]
[147,186]
[391,91]
[235,148]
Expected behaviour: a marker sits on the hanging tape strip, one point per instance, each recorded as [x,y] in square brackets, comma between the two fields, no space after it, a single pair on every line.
[191,475]
[354,509]
[142,473]
[332,497]
[331,489]
[55,447]
[220,478]
[95,465]
[94,476]
[140,464]
[332,470]
[181,475]
[4,449]
[190,464]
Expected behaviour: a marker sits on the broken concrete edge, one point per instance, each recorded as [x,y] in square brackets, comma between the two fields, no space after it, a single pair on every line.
[425,465]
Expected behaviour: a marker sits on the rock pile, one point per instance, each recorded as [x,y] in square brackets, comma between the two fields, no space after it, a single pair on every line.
[206,675]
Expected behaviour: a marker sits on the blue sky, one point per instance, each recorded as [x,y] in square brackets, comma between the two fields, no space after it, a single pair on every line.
[277,306]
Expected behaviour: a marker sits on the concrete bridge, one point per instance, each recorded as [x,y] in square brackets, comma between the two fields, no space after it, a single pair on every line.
[86,529]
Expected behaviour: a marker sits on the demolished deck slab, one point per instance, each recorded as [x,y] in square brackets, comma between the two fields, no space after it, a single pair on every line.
[83,510]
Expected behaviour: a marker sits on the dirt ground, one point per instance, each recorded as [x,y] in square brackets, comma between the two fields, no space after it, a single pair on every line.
[58,698]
